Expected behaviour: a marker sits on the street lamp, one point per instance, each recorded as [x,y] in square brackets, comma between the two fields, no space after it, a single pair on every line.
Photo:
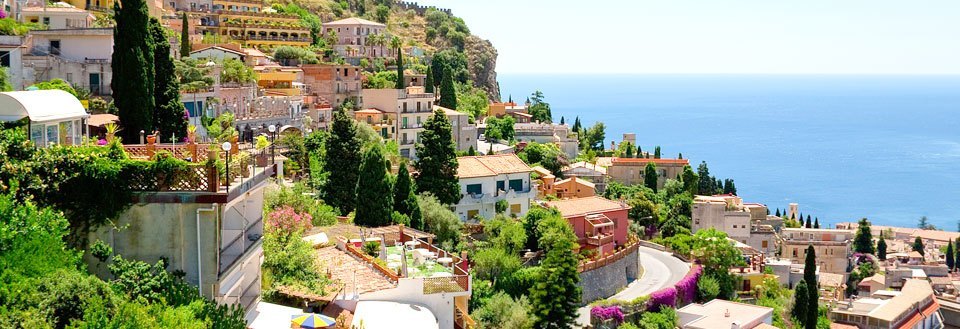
[273,141]
[226,146]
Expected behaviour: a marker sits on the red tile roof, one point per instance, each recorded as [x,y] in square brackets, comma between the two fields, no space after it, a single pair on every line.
[490,165]
[629,161]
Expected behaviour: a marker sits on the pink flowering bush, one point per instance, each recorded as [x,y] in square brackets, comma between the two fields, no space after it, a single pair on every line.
[687,287]
[607,313]
[663,297]
[102,142]
[287,220]
[3,14]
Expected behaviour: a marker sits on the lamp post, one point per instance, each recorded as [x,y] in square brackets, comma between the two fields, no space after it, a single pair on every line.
[226,146]
[273,142]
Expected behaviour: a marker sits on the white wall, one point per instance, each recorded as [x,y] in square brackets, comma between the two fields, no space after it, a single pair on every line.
[410,290]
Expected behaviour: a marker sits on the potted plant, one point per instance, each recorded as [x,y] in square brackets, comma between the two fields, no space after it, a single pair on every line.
[191,133]
[112,130]
[242,164]
[261,145]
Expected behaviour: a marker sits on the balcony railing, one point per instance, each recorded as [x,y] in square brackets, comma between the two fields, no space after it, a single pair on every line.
[456,283]
[270,38]
[242,241]
[599,240]
[608,258]
[265,26]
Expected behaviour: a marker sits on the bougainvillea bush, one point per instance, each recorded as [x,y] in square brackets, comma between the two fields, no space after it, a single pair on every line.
[663,297]
[687,287]
[286,219]
[606,313]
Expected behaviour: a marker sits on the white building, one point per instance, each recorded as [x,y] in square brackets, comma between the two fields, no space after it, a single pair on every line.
[55,116]
[724,314]
[79,56]
[549,133]
[57,16]
[729,214]
[486,180]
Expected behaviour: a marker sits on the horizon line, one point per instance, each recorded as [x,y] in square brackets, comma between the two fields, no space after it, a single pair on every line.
[738,73]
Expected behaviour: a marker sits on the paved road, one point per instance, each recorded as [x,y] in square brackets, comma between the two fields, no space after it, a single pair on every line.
[660,269]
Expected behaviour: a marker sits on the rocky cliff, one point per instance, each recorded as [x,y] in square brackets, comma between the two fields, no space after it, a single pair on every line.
[482,63]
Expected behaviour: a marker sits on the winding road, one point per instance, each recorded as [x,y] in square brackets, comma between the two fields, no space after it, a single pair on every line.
[660,269]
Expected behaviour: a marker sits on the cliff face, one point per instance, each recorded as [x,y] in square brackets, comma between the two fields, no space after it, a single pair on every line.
[482,63]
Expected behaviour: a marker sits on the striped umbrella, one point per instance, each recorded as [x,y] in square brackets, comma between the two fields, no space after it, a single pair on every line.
[312,321]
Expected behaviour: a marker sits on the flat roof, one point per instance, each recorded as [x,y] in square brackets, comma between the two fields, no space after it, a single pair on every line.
[722,314]
[914,291]
[585,206]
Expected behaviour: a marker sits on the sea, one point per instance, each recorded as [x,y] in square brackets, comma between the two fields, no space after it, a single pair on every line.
[844,147]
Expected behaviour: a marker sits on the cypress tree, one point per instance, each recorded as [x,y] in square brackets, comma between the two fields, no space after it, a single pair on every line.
[650,176]
[800,302]
[778,212]
[561,120]
[639,153]
[656,152]
[809,224]
[680,156]
[576,127]
[816,222]
[428,84]
[132,66]
[813,287]
[416,217]
[373,208]
[184,37]
[168,117]
[342,163]
[400,83]
[402,190]
[437,160]
[882,249]
[918,246]
[556,294]
[949,256]
[448,92]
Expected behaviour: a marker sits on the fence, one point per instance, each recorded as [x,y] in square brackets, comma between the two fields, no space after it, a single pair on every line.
[196,178]
[456,283]
[390,274]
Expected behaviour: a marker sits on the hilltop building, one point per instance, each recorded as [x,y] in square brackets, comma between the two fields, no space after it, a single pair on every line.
[549,133]
[630,171]
[831,245]
[486,180]
[246,22]
[729,214]
[913,307]
[354,38]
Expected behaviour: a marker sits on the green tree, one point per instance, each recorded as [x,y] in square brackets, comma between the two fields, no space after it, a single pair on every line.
[133,69]
[169,117]
[556,295]
[400,83]
[949,256]
[918,246]
[440,220]
[717,255]
[57,84]
[494,264]
[342,163]
[402,190]
[503,311]
[925,224]
[690,180]
[730,188]
[813,287]
[531,224]
[800,301]
[593,137]
[656,152]
[863,240]
[448,92]
[506,233]
[539,110]
[882,248]
[4,80]
[650,176]
[428,83]
[184,36]
[383,12]
[577,127]
[437,160]
[707,185]
[816,222]
[373,209]
[500,128]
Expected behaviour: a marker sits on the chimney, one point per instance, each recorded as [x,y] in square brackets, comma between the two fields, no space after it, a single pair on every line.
[726,313]
[734,324]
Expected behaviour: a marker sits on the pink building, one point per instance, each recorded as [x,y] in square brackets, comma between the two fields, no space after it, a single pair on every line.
[599,223]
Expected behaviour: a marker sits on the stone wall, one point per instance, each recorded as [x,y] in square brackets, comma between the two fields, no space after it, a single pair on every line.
[606,281]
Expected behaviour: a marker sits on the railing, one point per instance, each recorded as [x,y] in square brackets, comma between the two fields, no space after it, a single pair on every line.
[197,178]
[411,126]
[250,13]
[390,274]
[197,153]
[224,265]
[599,240]
[608,259]
[264,26]
[269,38]
[456,283]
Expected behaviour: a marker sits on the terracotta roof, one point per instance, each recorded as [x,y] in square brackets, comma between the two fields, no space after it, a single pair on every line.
[876,278]
[585,206]
[226,50]
[448,112]
[98,120]
[347,270]
[369,111]
[583,164]
[490,165]
[914,291]
[254,52]
[941,280]
[834,325]
[354,21]
[575,180]
[631,161]
[544,173]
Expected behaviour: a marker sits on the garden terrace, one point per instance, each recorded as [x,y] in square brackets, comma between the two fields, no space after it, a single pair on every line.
[603,260]
[199,181]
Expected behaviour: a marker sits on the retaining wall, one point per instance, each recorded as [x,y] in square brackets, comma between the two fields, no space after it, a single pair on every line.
[606,281]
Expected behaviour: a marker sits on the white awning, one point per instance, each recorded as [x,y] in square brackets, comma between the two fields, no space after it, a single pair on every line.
[40,106]
[387,315]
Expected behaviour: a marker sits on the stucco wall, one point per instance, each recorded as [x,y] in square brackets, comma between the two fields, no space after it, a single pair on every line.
[608,280]
[411,291]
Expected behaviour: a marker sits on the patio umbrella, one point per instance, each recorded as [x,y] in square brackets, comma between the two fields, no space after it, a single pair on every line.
[312,321]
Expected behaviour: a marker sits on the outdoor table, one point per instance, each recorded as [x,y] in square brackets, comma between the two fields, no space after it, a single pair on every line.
[445,261]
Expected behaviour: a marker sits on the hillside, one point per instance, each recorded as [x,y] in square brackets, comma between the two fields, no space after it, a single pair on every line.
[430,29]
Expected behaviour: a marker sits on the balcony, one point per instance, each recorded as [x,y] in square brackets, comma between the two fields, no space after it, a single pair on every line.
[411,126]
[236,242]
[600,239]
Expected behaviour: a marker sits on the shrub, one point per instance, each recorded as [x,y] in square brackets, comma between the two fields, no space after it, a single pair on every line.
[663,297]
[687,287]
[707,288]
[605,313]
[287,220]
[371,248]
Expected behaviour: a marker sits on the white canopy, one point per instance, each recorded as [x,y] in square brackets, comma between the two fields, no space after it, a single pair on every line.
[40,106]
[386,315]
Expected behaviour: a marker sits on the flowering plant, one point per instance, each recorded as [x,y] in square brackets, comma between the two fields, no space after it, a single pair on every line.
[101,142]
[288,220]
[607,313]
[687,287]
[3,14]
[663,297]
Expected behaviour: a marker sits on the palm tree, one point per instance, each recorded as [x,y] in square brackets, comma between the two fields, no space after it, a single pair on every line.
[395,43]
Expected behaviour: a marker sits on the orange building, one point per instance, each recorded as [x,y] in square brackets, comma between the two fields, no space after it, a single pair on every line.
[574,188]
[501,109]
[333,83]
[600,224]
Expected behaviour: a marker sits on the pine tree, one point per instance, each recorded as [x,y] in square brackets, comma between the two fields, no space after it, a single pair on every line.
[650,176]
[882,248]
[707,185]
[402,190]
[428,84]
[949,257]
[918,246]
[800,302]
[342,163]
[863,240]
[169,116]
[680,156]
[816,222]
[555,295]
[437,160]
[184,37]
[373,209]
[400,83]
[448,92]
[132,66]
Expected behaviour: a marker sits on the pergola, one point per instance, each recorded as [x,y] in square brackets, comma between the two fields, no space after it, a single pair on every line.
[55,116]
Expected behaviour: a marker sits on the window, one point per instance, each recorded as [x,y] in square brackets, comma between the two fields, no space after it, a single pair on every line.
[5,58]
[475,189]
[53,134]
[516,184]
[418,106]
[763,244]
[404,106]
[472,214]
[515,209]
[794,252]
[36,134]
[46,21]
[501,185]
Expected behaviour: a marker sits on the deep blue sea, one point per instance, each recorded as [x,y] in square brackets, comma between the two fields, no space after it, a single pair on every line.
[843,147]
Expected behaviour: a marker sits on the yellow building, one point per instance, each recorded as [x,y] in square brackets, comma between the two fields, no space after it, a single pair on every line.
[382,122]
[279,80]
[155,7]
[246,23]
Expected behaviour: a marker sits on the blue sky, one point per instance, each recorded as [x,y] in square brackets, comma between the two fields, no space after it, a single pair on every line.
[718,36]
